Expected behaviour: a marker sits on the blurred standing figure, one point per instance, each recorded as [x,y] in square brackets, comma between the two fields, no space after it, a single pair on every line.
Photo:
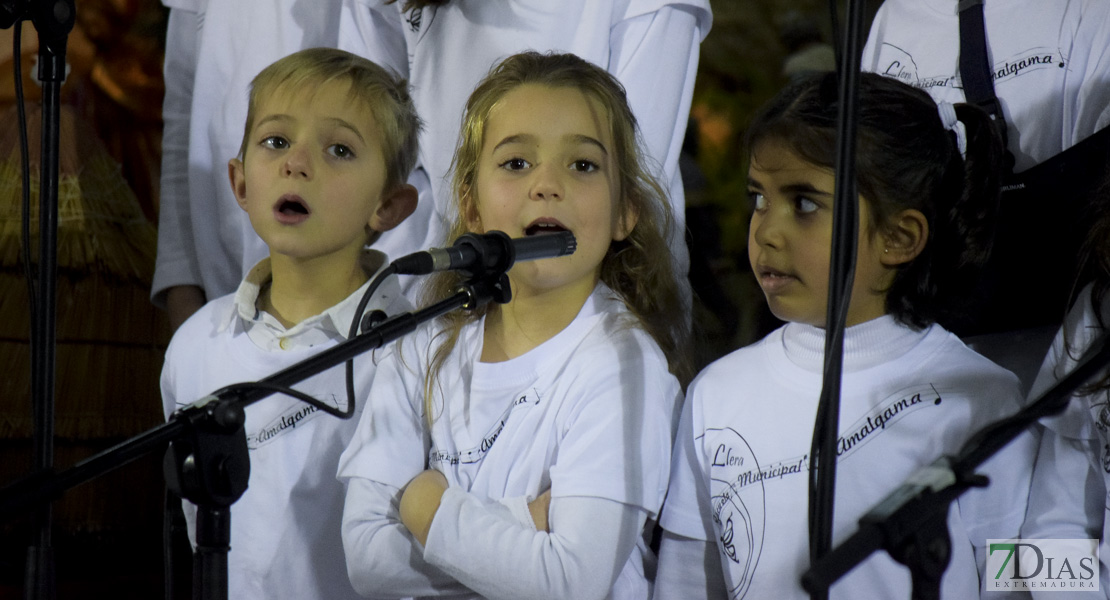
[1045,72]
[1050,64]
[807,50]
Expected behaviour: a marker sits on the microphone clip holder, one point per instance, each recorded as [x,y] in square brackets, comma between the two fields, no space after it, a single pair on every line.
[481,289]
[495,248]
[487,280]
[208,465]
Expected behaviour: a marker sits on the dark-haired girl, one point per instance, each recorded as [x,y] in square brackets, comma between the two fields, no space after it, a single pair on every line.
[1068,497]
[736,511]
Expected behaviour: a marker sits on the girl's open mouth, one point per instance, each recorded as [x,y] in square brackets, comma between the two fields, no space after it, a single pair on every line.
[542,226]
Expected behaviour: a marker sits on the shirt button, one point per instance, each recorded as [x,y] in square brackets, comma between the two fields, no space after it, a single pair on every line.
[284,343]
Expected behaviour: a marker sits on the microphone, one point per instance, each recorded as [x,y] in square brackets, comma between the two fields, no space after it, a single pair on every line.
[476,253]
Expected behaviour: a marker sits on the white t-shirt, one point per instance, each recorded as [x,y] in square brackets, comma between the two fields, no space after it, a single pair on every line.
[651,46]
[214,48]
[588,414]
[1050,60]
[740,469]
[1068,497]
[285,529]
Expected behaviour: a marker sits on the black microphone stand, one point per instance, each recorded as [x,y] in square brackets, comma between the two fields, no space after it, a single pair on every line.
[53,19]
[911,523]
[842,266]
[207,460]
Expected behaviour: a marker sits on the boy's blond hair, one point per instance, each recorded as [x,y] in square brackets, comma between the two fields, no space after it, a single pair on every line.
[384,93]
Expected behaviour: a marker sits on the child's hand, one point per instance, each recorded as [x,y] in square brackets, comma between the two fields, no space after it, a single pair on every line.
[420,501]
[538,508]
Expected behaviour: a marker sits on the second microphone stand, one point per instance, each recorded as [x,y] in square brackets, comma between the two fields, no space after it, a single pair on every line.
[911,523]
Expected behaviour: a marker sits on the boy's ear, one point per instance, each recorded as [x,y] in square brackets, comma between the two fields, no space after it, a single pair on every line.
[395,206]
[905,237]
[238,181]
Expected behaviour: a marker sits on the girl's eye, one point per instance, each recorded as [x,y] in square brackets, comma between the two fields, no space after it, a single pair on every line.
[515,164]
[275,142]
[584,166]
[340,151]
[757,200]
[804,205]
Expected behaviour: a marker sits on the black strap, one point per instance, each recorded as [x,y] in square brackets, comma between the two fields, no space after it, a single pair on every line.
[974,61]
[975,70]
[1044,216]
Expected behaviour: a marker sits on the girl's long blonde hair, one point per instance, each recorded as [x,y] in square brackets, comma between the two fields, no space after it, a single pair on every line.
[640,269]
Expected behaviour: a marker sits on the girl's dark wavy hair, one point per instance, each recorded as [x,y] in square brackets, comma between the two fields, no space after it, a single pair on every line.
[1096,254]
[905,159]
[1095,270]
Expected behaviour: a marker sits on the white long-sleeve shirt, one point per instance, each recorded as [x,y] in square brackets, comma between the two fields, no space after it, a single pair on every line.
[588,414]
[741,461]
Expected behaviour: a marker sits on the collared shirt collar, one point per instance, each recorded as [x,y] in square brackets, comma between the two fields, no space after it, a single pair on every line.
[333,324]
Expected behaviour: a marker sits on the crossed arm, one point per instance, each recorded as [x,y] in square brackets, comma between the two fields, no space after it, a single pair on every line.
[421,497]
[431,540]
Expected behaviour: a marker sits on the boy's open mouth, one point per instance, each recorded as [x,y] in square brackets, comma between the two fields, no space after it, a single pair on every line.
[291,209]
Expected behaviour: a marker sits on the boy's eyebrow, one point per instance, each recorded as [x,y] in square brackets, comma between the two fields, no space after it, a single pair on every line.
[578,138]
[334,121]
[276,117]
[337,122]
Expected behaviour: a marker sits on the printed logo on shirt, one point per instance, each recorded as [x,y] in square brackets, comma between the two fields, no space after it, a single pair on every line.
[854,436]
[1101,412]
[414,18]
[477,453]
[297,415]
[897,63]
[887,413]
[738,509]
[738,479]
[1056,565]
[1034,59]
